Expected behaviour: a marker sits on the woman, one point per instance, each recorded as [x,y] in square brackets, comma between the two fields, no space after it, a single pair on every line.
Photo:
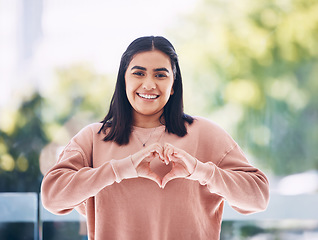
[148,170]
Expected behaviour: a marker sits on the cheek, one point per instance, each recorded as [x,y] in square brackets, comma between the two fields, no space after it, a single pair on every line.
[129,94]
[170,90]
[129,88]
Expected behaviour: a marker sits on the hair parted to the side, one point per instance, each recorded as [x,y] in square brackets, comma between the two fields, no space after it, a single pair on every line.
[119,120]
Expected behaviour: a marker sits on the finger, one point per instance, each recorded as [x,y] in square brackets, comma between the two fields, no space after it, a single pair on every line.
[138,157]
[189,161]
[147,152]
[169,176]
[172,157]
[168,151]
[172,149]
[154,177]
[145,171]
[167,159]
[151,151]
[159,150]
[170,146]
[155,148]
[166,148]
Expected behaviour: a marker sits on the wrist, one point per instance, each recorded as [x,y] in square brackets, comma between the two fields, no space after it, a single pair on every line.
[133,160]
[123,169]
[202,172]
[193,166]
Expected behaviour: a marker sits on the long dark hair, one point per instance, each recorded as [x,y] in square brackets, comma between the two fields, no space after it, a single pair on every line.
[119,117]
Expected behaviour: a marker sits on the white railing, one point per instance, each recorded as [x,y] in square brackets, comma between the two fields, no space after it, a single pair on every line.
[27,207]
[21,208]
[281,207]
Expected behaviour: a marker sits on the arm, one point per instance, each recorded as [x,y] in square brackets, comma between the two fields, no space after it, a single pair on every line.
[71,181]
[243,186]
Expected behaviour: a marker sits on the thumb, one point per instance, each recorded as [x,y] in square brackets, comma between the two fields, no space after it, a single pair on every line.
[168,177]
[154,177]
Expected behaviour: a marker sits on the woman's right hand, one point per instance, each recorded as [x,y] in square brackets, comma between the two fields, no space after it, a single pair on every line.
[141,161]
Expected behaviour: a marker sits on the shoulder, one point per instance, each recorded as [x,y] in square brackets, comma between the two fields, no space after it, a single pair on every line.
[209,131]
[207,125]
[90,129]
[87,134]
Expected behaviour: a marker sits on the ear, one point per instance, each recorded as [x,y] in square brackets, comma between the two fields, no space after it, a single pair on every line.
[172,91]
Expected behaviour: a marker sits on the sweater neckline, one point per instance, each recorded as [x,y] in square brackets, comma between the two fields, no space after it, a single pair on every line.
[147,136]
[147,130]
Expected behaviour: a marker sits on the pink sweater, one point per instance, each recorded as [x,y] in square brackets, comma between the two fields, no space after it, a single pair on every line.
[99,180]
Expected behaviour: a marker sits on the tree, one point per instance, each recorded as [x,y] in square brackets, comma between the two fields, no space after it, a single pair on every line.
[20,145]
[77,97]
[252,67]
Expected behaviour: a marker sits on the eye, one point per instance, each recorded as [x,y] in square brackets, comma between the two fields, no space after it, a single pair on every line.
[161,75]
[139,74]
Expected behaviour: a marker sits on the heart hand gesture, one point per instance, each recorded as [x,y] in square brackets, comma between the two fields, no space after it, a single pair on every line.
[141,161]
[183,164]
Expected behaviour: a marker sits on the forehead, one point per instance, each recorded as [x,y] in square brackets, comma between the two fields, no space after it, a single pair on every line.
[151,59]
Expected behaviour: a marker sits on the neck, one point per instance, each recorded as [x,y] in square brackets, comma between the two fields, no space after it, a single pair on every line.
[147,121]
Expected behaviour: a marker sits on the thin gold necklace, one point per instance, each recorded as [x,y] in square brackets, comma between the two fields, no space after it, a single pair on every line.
[144,143]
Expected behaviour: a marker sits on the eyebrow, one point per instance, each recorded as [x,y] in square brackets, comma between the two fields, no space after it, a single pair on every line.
[138,67]
[155,70]
[161,70]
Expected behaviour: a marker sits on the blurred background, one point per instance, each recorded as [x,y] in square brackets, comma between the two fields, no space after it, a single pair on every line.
[251,66]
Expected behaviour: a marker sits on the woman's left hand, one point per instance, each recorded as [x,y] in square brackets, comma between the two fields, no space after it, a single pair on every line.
[183,164]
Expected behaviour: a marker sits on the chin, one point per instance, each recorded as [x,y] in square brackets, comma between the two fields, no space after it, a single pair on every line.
[150,113]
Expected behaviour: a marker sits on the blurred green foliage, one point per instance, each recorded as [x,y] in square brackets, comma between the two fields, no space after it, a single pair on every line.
[76,96]
[251,66]
[20,144]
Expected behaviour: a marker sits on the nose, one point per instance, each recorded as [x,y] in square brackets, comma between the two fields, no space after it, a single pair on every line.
[149,84]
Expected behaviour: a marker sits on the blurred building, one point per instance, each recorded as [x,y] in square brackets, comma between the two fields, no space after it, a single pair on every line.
[20,31]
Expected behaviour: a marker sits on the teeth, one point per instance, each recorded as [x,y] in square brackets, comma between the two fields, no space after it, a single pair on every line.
[147,96]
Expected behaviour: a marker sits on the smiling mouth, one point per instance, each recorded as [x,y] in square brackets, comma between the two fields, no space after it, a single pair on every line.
[147,96]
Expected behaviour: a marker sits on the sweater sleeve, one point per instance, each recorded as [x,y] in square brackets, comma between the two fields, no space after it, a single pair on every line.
[72,181]
[244,187]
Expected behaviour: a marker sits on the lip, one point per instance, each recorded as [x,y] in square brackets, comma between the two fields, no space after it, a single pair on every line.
[147,96]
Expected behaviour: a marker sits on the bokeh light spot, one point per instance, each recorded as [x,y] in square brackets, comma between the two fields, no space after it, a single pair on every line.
[7,163]
[22,164]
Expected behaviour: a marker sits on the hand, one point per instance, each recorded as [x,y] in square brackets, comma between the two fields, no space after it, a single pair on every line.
[183,164]
[141,161]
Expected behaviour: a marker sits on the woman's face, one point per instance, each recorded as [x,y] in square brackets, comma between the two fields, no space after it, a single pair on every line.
[149,81]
